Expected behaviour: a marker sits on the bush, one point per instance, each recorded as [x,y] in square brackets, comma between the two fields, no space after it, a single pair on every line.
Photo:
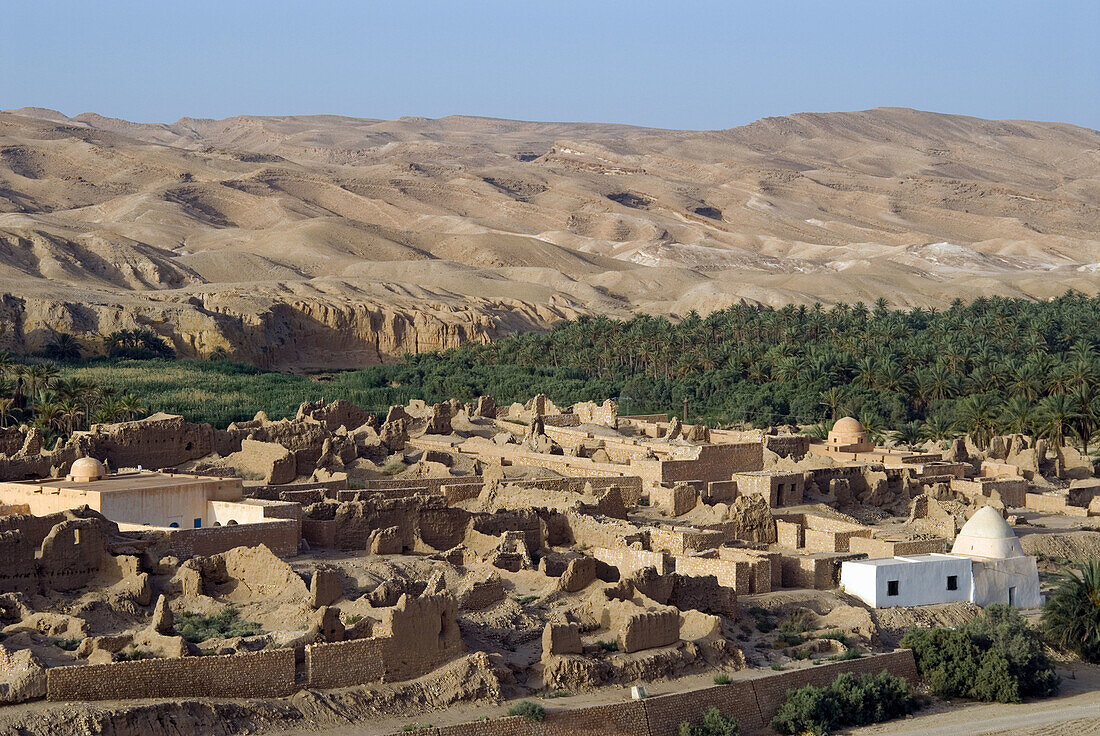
[715,723]
[195,627]
[995,657]
[722,679]
[527,709]
[851,700]
[1071,616]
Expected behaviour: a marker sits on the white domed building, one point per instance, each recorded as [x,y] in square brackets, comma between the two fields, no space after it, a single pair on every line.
[986,565]
[848,435]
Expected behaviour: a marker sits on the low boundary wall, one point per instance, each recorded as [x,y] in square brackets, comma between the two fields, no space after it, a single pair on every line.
[753,702]
[267,674]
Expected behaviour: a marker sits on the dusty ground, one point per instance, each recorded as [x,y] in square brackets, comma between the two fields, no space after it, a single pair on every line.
[473,227]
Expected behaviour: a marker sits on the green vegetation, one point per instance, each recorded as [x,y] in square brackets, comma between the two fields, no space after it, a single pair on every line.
[608,646]
[527,709]
[722,679]
[995,657]
[69,645]
[1071,616]
[851,700]
[994,365]
[195,627]
[715,723]
[45,396]
[132,654]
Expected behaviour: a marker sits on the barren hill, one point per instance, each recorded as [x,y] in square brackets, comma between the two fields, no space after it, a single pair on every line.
[321,241]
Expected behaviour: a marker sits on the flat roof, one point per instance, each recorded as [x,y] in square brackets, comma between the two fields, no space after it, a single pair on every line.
[142,480]
[908,559]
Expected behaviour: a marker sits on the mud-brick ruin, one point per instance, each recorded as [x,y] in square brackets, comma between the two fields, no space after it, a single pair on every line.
[504,552]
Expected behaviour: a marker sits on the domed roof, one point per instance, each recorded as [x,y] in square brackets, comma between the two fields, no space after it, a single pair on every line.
[847,425]
[87,469]
[986,523]
[987,534]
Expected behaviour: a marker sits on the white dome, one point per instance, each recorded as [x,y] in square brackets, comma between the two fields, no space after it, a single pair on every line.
[987,534]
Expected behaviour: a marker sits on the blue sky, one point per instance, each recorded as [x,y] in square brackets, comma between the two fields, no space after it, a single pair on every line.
[673,64]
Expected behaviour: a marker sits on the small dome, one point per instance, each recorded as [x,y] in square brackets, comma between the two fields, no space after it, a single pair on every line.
[986,523]
[987,534]
[847,425]
[87,469]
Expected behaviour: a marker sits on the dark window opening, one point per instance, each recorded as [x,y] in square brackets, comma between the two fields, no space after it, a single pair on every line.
[952,582]
[891,587]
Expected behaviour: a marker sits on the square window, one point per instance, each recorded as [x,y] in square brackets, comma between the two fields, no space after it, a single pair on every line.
[891,587]
[198,522]
[952,582]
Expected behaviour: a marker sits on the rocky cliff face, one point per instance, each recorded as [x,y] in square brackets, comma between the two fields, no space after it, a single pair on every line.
[290,327]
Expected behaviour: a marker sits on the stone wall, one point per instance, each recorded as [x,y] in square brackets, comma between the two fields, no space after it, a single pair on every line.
[267,674]
[879,548]
[279,535]
[1051,504]
[753,702]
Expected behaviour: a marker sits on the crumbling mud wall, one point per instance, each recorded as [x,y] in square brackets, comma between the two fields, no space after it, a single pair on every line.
[417,635]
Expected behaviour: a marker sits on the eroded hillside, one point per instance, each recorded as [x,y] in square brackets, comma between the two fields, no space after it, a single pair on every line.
[325,241]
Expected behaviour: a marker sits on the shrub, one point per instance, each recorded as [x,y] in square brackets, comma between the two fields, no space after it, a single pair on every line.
[1071,616]
[722,679]
[608,646]
[851,700]
[995,657]
[195,627]
[715,723]
[527,709]
[69,645]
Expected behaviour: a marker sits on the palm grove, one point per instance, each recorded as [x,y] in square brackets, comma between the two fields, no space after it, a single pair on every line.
[995,365]
[39,395]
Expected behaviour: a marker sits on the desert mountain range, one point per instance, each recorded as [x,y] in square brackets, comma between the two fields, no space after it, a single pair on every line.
[324,241]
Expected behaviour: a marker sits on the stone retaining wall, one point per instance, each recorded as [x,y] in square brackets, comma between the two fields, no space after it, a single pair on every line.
[268,674]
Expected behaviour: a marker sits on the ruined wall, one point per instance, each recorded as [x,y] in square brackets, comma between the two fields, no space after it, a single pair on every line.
[159,441]
[879,548]
[416,636]
[630,486]
[627,560]
[794,446]
[1050,504]
[753,702]
[267,674]
[280,536]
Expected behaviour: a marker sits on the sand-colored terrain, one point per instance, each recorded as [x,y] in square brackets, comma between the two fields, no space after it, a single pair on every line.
[281,238]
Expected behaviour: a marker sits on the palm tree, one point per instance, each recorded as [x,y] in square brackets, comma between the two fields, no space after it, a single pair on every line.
[1056,415]
[832,398]
[1018,415]
[131,406]
[937,428]
[6,404]
[977,415]
[63,347]
[908,434]
[1071,616]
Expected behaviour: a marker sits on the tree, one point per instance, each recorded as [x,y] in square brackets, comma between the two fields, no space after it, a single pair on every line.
[1056,414]
[977,415]
[64,347]
[6,404]
[1071,616]
[715,723]
[995,657]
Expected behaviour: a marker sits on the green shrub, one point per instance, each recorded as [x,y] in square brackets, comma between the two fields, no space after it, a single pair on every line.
[851,700]
[722,679]
[527,709]
[195,628]
[608,646]
[715,723]
[1071,616]
[835,635]
[132,654]
[69,645]
[995,657]
[353,619]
